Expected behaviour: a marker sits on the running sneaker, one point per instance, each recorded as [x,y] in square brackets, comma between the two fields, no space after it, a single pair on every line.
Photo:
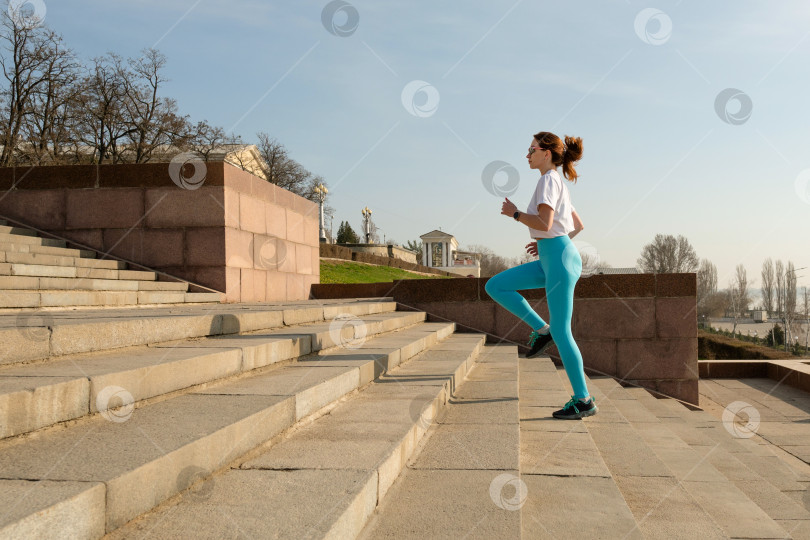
[538,343]
[575,409]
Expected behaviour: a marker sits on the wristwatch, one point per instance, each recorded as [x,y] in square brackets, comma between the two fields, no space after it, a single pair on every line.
[516,215]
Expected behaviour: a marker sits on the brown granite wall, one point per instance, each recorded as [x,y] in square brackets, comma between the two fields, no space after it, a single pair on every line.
[234,232]
[641,328]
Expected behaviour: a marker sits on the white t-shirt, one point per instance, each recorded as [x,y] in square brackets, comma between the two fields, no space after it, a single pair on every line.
[551,190]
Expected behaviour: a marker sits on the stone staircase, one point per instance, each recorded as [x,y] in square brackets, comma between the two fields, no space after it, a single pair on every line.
[641,468]
[40,272]
[348,419]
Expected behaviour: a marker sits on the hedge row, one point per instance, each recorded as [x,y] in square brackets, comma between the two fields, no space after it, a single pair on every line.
[718,347]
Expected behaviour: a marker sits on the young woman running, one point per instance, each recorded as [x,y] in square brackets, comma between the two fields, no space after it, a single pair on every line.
[552,222]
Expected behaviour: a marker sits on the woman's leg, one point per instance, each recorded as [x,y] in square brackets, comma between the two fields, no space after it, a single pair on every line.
[563,266]
[503,289]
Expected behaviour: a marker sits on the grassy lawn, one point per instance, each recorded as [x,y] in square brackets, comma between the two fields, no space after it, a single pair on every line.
[352,272]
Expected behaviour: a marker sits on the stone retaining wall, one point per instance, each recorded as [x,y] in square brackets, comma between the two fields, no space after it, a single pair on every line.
[235,232]
[638,327]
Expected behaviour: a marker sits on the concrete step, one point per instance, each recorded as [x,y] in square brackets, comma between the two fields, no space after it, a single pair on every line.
[147,455]
[39,395]
[39,270]
[331,473]
[44,298]
[6,238]
[659,501]
[34,335]
[42,259]
[8,283]
[446,489]
[11,229]
[14,247]
[563,468]
[725,498]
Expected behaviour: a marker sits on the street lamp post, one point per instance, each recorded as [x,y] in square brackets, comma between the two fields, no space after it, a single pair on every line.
[367,217]
[321,191]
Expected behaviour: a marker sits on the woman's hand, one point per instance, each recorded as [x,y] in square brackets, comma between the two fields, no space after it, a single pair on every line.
[531,248]
[508,208]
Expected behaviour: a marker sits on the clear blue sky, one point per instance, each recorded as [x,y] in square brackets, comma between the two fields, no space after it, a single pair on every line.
[640,88]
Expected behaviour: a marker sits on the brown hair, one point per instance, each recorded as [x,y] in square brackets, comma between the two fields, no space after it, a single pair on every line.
[565,154]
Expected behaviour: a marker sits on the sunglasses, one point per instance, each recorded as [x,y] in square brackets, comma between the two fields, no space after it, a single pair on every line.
[533,149]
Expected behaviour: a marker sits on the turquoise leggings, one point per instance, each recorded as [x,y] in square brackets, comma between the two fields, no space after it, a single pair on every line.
[558,269]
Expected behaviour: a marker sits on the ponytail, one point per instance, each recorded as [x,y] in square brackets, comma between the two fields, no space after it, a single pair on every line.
[572,154]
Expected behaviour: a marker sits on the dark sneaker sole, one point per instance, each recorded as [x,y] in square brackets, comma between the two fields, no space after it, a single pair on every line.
[540,351]
[577,416]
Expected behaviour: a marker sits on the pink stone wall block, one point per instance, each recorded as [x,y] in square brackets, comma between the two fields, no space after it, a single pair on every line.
[295,226]
[205,247]
[614,318]
[657,359]
[276,221]
[172,207]
[251,214]
[155,248]
[43,209]
[276,286]
[112,208]
[238,248]
[676,317]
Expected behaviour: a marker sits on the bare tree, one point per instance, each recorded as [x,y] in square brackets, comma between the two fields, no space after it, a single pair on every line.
[780,287]
[204,138]
[706,285]
[667,254]
[739,294]
[24,60]
[491,263]
[46,132]
[100,125]
[768,283]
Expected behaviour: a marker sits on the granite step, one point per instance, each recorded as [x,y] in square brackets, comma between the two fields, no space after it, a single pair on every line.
[51,298]
[42,259]
[131,460]
[35,335]
[14,247]
[15,238]
[54,271]
[325,479]
[33,396]
[659,501]
[454,484]
[723,496]
[758,469]
[12,229]
[89,284]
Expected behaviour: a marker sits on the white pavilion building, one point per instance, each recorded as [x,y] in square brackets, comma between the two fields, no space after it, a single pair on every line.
[440,250]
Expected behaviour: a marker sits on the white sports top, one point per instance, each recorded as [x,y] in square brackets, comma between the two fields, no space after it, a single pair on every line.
[551,190]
